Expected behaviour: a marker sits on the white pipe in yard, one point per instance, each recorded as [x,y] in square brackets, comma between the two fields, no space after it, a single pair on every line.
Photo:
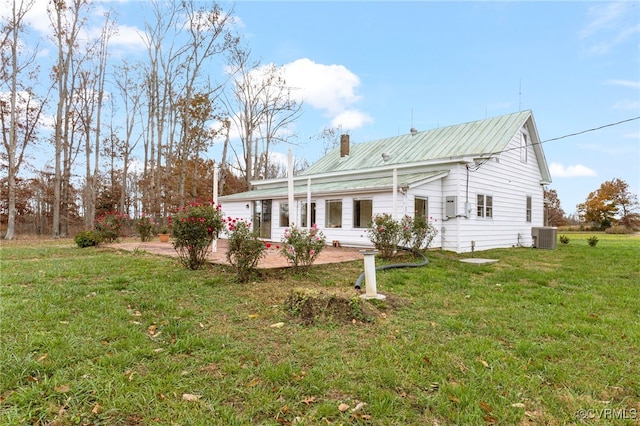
[371,291]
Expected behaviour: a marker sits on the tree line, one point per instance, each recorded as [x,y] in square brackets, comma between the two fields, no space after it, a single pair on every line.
[131,136]
[611,205]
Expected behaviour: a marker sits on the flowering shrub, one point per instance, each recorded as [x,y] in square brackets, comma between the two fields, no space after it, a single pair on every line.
[194,227]
[301,247]
[244,248]
[385,234]
[146,227]
[109,225]
[417,233]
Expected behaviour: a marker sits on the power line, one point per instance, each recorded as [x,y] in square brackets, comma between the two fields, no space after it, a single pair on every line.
[482,163]
[591,130]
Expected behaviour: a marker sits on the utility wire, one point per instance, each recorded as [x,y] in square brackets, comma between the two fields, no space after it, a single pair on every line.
[591,130]
[571,134]
[482,163]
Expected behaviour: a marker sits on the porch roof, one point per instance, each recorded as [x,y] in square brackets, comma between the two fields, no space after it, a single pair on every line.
[335,187]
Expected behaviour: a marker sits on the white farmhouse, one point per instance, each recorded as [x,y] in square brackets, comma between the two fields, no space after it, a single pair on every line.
[480,183]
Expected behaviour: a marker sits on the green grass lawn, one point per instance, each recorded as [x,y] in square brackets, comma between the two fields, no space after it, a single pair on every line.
[103,337]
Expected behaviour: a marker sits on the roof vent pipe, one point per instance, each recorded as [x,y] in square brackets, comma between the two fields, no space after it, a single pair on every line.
[344,145]
[413,131]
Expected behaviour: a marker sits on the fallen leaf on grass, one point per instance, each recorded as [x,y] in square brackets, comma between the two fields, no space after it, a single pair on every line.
[253,383]
[129,374]
[62,388]
[483,362]
[97,409]
[277,325]
[358,407]
[454,399]
[343,407]
[42,357]
[308,400]
[486,407]
[190,397]
[252,316]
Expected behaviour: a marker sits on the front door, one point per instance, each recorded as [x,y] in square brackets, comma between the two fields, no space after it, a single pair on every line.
[262,218]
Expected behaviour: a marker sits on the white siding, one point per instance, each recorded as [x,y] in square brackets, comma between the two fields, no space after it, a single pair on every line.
[509,181]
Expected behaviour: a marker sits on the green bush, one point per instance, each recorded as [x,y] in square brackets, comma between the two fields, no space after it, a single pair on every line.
[245,249]
[90,238]
[564,239]
[110,225]
[194,227]
[146,228]
[385,234]
[301,247]
[593,241]
[417,233]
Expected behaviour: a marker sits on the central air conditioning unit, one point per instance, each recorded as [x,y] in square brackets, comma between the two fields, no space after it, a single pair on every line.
[544,237]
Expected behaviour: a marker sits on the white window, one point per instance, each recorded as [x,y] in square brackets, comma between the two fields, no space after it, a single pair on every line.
[523,147]
[333,214]
[421,207]
[284,214]
[528,208]
[304,214]
[485,206]
[362,213]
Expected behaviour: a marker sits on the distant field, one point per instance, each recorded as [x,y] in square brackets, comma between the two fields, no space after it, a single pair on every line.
[105,337]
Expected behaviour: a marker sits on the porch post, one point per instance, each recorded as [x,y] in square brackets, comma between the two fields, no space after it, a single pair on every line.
[292,210]
[395,193]
[214,244]
[309,224]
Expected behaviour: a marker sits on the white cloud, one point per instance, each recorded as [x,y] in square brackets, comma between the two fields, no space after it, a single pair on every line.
[128,37]
[603,17]
[329,88]
[351,119]
[577,170]
[610,24]
[627,105]
[626,83]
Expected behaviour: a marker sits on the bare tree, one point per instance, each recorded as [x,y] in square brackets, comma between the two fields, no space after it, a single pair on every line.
[182,43]
[262,106]
[19,110]
[208,36]
[92,86]
[330,137]
[66,22]
[131,92]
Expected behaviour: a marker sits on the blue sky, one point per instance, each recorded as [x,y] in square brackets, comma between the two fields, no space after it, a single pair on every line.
[379,68]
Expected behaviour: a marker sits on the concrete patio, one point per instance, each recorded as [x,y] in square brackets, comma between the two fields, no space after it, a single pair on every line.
[272,260]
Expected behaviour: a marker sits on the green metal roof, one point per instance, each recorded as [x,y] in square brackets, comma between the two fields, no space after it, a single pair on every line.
[336,186]
[476,138]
